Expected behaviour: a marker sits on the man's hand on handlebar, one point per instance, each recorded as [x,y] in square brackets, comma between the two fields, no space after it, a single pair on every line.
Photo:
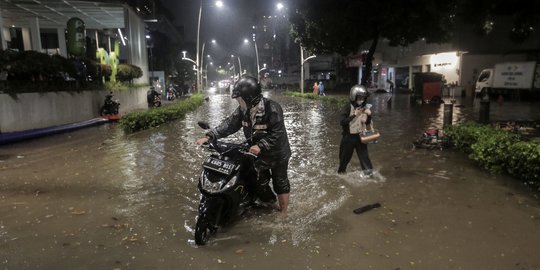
[202,141]
[255,149]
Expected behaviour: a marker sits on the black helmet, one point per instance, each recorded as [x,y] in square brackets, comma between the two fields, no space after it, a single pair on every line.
[249,89]
[358,90]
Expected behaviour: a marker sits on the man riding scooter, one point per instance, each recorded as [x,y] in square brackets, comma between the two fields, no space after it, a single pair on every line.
[153,98]
[110,106]
[263,125]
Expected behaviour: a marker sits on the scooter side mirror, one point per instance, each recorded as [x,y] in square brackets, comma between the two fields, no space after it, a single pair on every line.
[203,125]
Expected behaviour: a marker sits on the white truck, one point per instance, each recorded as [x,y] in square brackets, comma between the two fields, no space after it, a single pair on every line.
[509,78]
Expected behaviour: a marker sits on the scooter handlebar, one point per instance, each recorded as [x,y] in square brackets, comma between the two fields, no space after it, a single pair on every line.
[248,154]
[214,146]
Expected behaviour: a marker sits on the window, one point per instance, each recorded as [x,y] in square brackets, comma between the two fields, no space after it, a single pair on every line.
[484,76]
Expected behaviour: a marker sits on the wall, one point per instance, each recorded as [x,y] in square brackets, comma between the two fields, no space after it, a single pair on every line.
[38,110]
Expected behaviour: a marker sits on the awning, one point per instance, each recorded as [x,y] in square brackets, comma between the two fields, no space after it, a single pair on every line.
[55,13]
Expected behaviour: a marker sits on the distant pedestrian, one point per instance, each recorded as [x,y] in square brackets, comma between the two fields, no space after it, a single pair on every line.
[500,100]
[315,88]
[321,89]
[391,83]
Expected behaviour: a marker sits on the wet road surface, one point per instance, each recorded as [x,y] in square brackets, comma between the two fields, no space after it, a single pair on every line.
[99,199]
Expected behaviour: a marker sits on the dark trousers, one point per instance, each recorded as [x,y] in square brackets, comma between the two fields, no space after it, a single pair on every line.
[275,171]
[349,143]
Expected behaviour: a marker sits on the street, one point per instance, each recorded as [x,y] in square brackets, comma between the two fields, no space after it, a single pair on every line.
[99,199]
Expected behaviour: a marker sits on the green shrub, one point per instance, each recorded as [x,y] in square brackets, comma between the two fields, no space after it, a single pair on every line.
[498,151]
[137,121]
[465,135]
[491,151]
[6,56]
[128,72]
[524,160]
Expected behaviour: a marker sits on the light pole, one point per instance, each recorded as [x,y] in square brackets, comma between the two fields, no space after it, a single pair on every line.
[302,68]
[256,54]
[205,72]
[199,66]
[198,36]
[199,70]
[239,65]
[233,69]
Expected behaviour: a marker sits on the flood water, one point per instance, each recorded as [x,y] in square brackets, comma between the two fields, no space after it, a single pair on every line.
[99,199]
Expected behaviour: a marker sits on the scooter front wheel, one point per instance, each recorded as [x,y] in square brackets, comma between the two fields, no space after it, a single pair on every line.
[202,232]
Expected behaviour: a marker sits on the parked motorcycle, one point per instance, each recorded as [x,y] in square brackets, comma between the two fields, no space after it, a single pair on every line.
[153,98]
[431,139]
[111,106]
[226,183]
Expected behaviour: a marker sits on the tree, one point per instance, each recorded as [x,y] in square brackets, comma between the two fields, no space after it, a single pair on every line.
[342,26]
[482,15]
[166,56]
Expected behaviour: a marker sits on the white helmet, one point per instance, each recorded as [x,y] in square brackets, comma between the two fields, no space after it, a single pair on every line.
[358,90]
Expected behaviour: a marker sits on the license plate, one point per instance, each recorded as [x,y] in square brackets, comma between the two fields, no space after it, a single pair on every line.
[219,165]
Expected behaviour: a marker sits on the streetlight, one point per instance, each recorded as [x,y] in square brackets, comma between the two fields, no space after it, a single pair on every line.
[302,68]
[187,59]
[192,61]
[256,54]
[199,66]
[264,67]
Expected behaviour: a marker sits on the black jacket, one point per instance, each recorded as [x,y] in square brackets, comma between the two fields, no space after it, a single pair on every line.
[268,131]
[346,119]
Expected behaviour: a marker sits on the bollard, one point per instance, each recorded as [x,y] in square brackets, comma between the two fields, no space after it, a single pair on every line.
[484,112]
[448,112]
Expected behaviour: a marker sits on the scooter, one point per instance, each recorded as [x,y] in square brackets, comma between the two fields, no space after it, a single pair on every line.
[154,101]
[226,184]
[431,139]
[171,94]
[157,101]
[110,106]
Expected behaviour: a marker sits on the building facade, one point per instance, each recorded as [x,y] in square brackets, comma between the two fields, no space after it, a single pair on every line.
[41,26]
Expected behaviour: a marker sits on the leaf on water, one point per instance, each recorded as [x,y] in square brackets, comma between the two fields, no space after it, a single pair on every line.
[115,226]
[130,238]
[19,203]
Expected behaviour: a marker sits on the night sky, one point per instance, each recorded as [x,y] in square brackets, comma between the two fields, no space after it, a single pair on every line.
[229,25]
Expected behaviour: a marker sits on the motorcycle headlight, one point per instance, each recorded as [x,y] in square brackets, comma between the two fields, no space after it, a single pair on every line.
[231,183]
[213,187]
